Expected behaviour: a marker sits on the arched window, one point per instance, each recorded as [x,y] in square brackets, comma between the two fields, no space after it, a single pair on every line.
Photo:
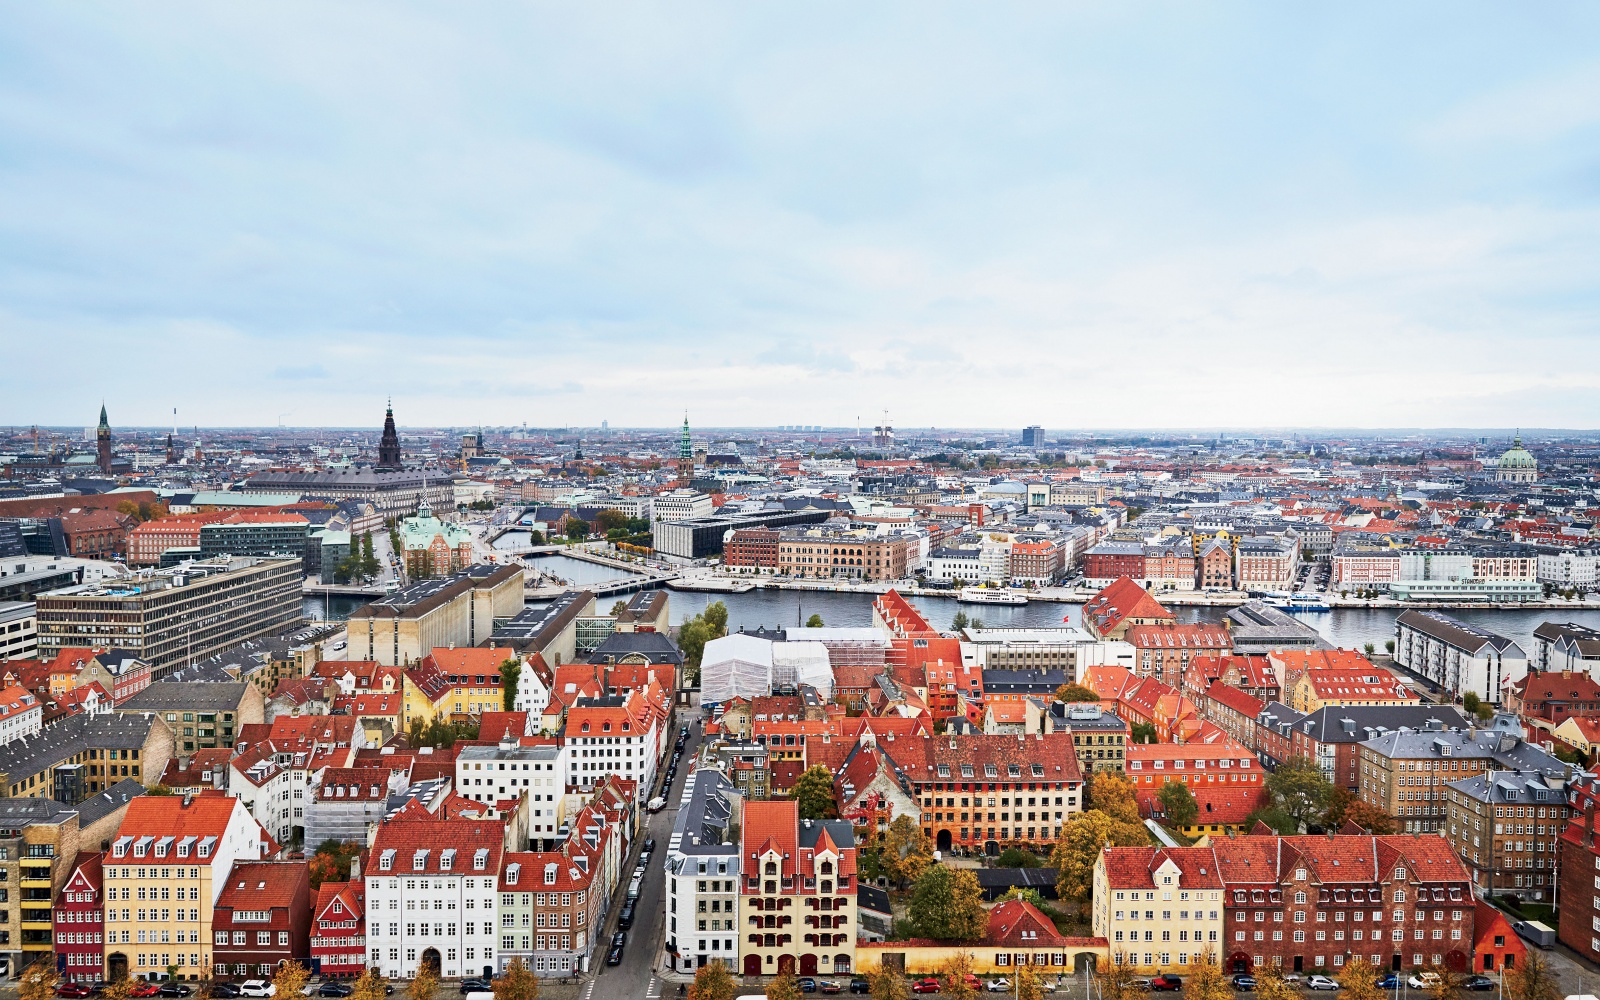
[772,868]
[827,868]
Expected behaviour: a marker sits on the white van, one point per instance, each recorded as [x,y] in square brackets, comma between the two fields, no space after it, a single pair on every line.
[633,887]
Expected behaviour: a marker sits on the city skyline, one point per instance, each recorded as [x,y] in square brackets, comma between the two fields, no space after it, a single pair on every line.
[1135,217]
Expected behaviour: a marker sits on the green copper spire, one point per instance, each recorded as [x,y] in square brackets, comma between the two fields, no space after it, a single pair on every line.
[685,449]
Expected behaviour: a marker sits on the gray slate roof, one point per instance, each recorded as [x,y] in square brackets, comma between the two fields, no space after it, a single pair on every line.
[705,814]
[62,739]
[188,696]
[1509,750]
[97,807]
[654,645]
[1514,787]
[1359,723]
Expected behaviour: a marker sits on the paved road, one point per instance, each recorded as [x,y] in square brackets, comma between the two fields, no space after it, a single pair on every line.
[639,975]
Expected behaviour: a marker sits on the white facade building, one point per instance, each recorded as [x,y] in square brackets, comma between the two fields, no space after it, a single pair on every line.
[508,772]
[1457,656]
[703,875]
[431,896]
[1570,568]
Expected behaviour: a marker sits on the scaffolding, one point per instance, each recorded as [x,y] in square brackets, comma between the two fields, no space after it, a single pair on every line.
[735,666]
[796,663]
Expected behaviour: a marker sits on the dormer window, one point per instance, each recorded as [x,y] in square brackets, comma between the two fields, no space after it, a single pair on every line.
[386,860]
[585,727]
[771,868]
[512,871]
[419,860]
[480,859]
[550,874]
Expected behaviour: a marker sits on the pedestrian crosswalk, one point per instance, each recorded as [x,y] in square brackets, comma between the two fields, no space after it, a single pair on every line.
[654,991]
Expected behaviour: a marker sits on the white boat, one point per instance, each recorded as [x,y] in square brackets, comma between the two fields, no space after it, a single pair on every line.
[989,595]
[1308,602]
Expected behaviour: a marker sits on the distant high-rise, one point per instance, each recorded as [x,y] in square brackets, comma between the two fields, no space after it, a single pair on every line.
[1032,436]
[102,439]
[389,445]
[685,454]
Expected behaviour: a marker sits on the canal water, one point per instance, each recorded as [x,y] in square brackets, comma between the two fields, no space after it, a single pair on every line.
[1348,628]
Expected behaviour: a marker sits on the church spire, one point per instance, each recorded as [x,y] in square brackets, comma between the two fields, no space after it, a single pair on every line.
[389,444]
[102,441]
[685,453]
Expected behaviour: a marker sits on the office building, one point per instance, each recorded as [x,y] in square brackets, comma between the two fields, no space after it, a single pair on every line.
[173,617]
[457,610]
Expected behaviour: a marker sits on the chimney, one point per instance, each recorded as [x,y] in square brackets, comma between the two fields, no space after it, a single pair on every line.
[355,868]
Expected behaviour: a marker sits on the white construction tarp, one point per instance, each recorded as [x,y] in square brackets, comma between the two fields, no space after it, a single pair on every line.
[796,663]
[735,666]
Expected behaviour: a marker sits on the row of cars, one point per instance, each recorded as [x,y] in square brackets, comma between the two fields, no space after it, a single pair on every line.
[1001,985]
[251,988]
[619,940]
[1245,983]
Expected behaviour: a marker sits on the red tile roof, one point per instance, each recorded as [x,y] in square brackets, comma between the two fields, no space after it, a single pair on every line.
[263,885]
[401,842]
[1120,601]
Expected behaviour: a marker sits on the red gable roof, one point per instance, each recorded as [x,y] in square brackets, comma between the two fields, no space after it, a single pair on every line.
[263,885]
[1122,600]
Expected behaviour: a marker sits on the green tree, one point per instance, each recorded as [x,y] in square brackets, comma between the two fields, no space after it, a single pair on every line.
[331,862]
[1470,702]
[517,982]
[959,622]
[536,538]
[716,615]
[1016,857]
[618,608]
[1299,790]
[1369,649]
[577,528]
[712,982]
[947,905]
[1179,804]
[1078,848]
[1075,692]
[510,673]
[783,987]
[611,519]
[813,791]
[1142,732]
[815,621]
[887,985]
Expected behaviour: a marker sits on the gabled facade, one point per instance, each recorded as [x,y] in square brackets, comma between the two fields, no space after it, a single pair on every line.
[262,919]
[797,895]
[1159,908]
[79,916]
[431,896]
[338,929]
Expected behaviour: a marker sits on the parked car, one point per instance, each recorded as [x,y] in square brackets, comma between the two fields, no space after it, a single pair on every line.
[1388,981]
[925,986]
[1166,983]
[1321,983]
[1244,984]
[999,985]
[860,986]
[1139,983]
[1423,980]
[807,984]
[614,956]
[1291,977]
[149,989]
[256,988]
[1046,986]
[472,984]
[75,991]
[650,843]
[173,990]
[829,986]
[625,915]
[334,988]
[1478,983]
[224,991]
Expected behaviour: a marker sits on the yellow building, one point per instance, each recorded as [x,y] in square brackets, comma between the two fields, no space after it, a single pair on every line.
[167,866]
[1159,908]
[1019,934]
[458,610]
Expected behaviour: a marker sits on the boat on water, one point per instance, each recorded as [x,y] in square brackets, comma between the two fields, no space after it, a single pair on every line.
[1297,602]
[989,595]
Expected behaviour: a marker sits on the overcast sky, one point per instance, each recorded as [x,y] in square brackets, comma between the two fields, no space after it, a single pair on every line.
[984,215]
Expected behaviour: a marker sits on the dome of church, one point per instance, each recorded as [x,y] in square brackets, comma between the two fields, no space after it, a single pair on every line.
[1518,458]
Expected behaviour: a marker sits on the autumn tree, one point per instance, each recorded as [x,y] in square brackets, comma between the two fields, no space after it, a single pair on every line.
[510,672]
[39,982]
[888,985]
[290,978]
[1178,803]
[1532,979]
[813,792]
[1112,794]
[955,971]
[1078,848]
[370,986]
[121,988]
[1116,979]
[783,987]
[331,862]
[1206,980]
[947,905]
[904,851]
[1270,985]
[711,982]
[1028,984]
[1450,984]
[425,986]
[1299,790]
[1360,981]
[517,982]
[1075,692]
[1371,817]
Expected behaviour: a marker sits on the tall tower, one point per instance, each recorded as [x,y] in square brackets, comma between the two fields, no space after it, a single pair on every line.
[102,439]
[685,454]
[389,444]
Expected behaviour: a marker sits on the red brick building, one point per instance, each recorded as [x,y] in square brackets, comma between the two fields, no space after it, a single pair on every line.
[96,534]
[1226,780]
[1213,565]
[262,919]
[338,938]
[1498,947]
[1313,903]
[1040,562]
[1234,711]
[1111,560]
[1548,698]
[79,917]
[1165,651]
[1251,674]
[752,550]
[149,540]
[1578,925]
